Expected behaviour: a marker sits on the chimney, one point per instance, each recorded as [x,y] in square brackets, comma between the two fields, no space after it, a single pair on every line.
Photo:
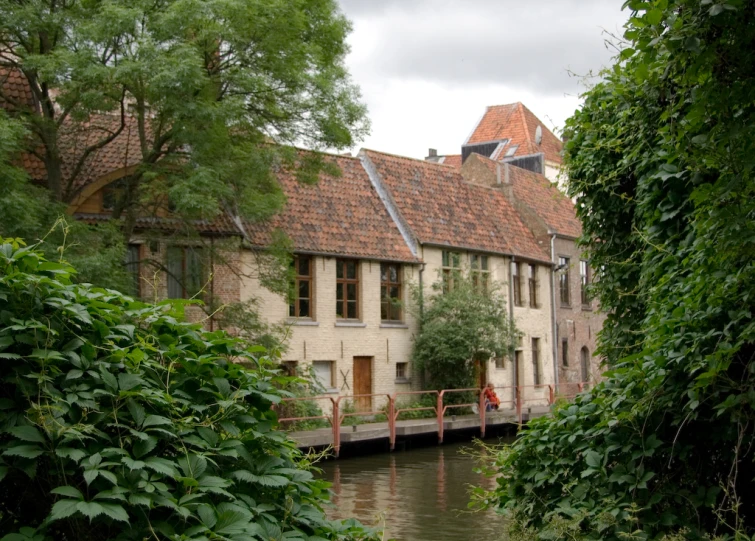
[432,155]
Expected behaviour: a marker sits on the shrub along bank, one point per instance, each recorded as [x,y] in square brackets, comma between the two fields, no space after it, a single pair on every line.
[660,160]
[120,421]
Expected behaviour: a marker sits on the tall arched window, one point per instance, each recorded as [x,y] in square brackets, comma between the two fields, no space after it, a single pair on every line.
[584,356]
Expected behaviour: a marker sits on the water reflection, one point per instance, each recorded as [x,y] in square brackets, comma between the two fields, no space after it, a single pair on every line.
[419,495]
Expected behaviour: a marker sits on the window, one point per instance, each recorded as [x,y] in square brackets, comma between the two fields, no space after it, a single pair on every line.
[584,280]
[534,285]
[402,370]
[584,356]
[516,282]
[536,361]
[132,267]
[347,288]
[565,352]
[301,305]
[450,268]
[390,292]
[499,363]
[185,272]
[480,273]
[563,281]
[324,374]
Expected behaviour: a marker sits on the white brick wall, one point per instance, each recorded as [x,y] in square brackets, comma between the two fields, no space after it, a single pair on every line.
[323,339]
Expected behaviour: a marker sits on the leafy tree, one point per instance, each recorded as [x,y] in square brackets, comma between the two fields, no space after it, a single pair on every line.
[207,97]
[660,160]
[120,422]
[459,329]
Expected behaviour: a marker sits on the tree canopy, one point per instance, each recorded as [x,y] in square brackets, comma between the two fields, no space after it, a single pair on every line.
[660,160]
[192,105]
[461,327]
[118,421]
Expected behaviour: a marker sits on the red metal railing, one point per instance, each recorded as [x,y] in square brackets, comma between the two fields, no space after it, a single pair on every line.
[522,397]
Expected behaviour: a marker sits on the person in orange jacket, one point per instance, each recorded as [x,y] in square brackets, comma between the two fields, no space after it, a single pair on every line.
[492,402]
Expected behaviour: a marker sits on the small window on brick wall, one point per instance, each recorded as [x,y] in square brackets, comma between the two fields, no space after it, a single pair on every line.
[499,362]
[402,371]
[565,352]
[301,303]
[185,272]
[325,373]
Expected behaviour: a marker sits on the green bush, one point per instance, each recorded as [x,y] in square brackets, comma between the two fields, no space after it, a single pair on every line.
[121,422]
[661,163]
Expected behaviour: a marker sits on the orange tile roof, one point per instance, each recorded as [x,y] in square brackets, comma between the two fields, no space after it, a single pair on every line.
[517,124]
[123,151]
[337,215]
[542,196]
[442,209]
[454,160]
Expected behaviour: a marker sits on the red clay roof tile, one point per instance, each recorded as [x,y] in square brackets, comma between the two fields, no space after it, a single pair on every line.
[517,124]
[338,215]
[540,195]
[442,209]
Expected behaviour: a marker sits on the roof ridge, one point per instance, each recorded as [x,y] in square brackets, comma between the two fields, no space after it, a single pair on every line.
[418,160]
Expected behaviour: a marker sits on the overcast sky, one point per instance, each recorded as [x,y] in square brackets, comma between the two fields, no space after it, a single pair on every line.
[428,68]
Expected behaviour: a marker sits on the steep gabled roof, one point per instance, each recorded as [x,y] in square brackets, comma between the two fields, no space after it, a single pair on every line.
[539,194]
[337,216]
[518,126]
[440,208]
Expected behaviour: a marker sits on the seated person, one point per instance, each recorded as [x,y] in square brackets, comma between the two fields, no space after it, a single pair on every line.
[492,402]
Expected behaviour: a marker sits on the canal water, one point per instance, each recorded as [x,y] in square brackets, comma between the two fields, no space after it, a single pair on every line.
[416,495]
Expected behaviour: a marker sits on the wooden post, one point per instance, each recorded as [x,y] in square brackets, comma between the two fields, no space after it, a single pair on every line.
[439,412]
[336,422]
[392,418]
[482,413]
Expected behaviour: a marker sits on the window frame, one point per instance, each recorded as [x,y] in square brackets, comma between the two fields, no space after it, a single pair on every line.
[393,304]
[345,282]
[295,305]
[565,352]
[183,280]
[516,282]
[404,376]
[534,286]
[450,266]
[536,375]
[584,281]
[564,288]
[333,383]
[480,271]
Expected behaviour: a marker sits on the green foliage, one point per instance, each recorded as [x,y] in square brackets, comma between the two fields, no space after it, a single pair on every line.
[120,422]
[660,160]
[458,329]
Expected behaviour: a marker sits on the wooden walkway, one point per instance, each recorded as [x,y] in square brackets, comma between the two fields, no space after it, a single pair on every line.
[323,437]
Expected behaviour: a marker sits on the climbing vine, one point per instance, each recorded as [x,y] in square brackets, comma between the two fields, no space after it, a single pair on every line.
[660,160]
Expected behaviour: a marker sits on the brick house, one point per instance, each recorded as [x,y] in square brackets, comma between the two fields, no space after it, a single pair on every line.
[360,240]
[524,166]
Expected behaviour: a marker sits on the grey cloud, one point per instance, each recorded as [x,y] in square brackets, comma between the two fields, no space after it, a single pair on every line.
[520,44]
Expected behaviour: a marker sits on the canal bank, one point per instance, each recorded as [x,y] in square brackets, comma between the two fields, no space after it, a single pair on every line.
[417,495]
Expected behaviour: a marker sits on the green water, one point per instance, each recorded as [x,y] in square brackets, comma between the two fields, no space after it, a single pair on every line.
[417,495]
